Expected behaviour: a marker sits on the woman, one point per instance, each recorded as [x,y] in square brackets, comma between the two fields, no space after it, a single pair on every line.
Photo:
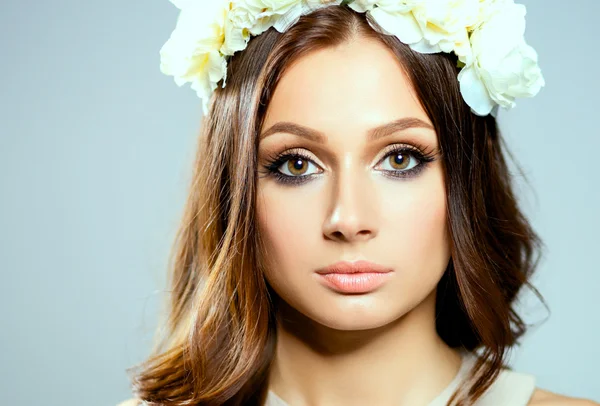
[351,235]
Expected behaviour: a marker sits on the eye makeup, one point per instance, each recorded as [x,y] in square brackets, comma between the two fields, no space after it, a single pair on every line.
[295,156]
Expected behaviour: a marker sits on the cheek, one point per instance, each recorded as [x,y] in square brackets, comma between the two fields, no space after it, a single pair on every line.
[415,223]
[289,224]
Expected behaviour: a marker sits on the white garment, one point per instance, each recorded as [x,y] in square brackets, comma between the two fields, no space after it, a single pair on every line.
[511,388]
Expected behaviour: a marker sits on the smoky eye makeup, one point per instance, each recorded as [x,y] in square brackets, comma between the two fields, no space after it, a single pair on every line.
[295,166]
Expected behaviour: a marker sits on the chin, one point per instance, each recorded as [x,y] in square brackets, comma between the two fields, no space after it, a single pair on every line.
[353,312]
[345,323]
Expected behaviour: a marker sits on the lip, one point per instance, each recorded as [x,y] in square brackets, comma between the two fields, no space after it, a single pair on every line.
[346,267]
[354,277]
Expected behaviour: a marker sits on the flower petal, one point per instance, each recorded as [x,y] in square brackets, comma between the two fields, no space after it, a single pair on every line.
[362,6]
[402,25]
[425,47]
[474,91]
[290,18]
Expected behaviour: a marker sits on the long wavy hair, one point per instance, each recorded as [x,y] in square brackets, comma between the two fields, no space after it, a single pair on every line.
[217,333]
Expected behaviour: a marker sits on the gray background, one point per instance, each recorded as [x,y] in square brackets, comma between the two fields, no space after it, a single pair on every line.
[95,154]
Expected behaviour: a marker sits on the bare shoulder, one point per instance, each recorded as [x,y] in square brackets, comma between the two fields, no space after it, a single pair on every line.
[130,402]
[542,397]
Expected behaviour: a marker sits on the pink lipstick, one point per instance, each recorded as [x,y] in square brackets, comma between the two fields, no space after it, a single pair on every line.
[354,277]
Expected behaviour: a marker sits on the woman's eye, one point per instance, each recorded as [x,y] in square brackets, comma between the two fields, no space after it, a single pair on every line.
[296,166]
[400,161]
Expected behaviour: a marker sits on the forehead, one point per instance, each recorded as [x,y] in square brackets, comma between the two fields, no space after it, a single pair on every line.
[352,87]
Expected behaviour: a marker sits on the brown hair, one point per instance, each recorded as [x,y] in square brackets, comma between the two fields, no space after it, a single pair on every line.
[219,332]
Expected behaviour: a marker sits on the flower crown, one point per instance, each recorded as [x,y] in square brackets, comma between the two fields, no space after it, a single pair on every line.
[496,64]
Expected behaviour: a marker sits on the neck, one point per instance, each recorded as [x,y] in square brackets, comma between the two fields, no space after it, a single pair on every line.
[402,363]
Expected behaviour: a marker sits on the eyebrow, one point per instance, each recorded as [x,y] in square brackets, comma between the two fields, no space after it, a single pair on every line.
[373,134]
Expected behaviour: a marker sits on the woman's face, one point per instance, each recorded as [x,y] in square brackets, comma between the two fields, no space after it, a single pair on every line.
[349,195]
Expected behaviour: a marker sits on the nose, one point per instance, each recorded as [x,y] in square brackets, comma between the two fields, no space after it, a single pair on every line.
[352,215]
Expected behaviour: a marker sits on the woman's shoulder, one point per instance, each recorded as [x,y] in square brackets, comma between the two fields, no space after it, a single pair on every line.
[513,387]
[130,402]
[542,397]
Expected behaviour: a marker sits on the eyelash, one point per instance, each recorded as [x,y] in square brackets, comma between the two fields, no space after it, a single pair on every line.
[275,162]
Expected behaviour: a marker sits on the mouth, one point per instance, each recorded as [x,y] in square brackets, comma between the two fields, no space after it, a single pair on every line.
[347,267]
[354,277]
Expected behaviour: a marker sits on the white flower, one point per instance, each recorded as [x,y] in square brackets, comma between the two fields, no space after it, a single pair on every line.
[264,12]
[237,30]
[428,26]
[444,24]
[316,4]
[504,66]
[362,6]
[192,53]
[302,7]
[241,15]
[324,3]
[490,7]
